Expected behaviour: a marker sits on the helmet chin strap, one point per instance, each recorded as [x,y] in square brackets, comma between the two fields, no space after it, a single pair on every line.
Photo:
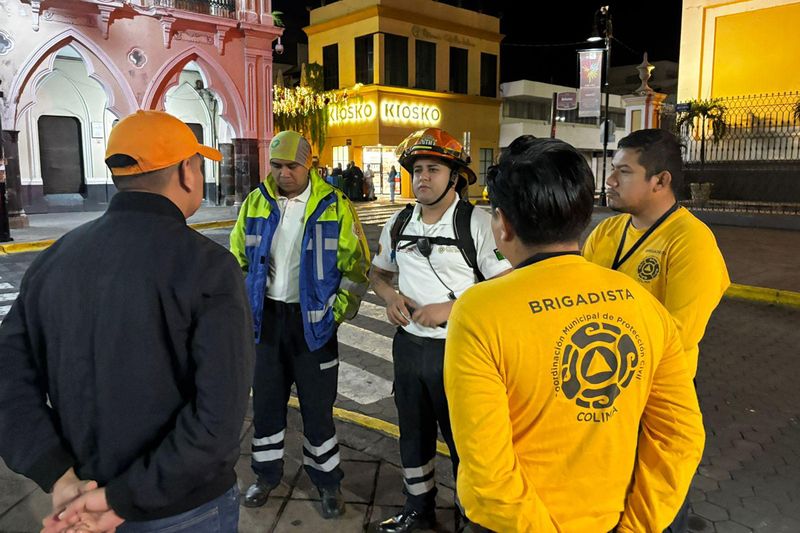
[450,184]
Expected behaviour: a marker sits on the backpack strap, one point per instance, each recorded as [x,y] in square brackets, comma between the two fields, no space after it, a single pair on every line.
[399,225]
[461,226]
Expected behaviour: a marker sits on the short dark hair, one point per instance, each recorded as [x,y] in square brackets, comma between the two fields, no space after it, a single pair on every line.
[659,150]
[545,189]
[154,180]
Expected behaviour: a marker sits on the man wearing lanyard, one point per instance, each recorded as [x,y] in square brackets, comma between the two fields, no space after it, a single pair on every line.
[570,398]
[658,243]
[432,276]
[306,258]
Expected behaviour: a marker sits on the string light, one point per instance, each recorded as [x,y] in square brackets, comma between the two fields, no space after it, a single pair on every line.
[304,101]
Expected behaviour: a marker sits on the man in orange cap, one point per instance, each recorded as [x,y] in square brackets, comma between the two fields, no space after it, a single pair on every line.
[127,356]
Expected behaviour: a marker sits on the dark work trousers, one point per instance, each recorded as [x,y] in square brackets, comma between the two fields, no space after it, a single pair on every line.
[681,522]
[283,358]
[421,403]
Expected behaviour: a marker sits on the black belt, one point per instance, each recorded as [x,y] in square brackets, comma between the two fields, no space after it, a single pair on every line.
[419,341]
[278,305]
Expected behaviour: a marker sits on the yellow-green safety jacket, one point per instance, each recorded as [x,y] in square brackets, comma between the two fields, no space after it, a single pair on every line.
[334,261]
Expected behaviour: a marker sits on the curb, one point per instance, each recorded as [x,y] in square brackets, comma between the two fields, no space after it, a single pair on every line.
[764,295]
[21,247]
[38,246]
[213,225]
[368,422]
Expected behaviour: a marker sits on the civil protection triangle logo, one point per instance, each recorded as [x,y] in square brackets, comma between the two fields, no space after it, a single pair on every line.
[648,269]
[595,359]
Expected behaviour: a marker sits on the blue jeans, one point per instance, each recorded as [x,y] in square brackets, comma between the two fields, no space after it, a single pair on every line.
[220,515]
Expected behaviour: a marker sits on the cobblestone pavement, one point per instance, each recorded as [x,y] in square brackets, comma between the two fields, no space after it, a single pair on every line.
[749,479]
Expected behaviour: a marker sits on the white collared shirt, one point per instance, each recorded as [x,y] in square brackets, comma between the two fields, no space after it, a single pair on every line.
[284,254]
[416,278]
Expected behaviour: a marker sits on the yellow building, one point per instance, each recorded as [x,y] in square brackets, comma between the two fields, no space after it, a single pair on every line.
[739,47]
[421,64]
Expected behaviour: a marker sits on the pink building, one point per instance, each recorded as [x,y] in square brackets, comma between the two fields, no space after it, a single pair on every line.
[70,69]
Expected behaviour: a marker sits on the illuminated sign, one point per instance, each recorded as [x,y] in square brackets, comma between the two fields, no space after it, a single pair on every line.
[391,112]
[352,113]
[410,113]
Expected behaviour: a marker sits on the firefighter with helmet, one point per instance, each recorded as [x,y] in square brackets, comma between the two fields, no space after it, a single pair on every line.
[438,248]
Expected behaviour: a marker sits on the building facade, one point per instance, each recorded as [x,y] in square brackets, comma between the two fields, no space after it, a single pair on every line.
[738,47]
[71,69]
[743,54]
[527,110]
[418,63]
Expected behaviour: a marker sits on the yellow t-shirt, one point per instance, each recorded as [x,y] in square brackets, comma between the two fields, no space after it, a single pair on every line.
[679,263]
[550,371]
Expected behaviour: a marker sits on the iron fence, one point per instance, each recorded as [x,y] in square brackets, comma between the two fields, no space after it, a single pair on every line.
[764,127]
[217,8]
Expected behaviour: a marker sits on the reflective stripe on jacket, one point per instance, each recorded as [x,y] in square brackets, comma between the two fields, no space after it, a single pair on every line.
[334,260]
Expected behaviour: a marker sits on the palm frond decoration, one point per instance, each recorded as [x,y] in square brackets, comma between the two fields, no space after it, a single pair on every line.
[305,108]
[709,112]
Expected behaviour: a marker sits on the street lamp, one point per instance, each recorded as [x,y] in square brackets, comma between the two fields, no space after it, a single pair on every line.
[602,32]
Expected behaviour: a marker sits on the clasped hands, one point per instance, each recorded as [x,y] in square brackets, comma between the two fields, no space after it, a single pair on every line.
[401,310]
[79,506]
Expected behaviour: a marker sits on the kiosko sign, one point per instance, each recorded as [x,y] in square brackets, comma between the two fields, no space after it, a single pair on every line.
[410,113]
[352,113]
[392,112]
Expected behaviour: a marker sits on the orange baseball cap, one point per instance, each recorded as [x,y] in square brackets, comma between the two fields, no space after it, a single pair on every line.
[155,140]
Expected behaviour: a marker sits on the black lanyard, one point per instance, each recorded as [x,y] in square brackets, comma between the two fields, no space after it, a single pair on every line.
[617,261]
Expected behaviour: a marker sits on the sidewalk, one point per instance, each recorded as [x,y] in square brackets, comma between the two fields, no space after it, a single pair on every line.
[755,256]
[52,226]
[372,487]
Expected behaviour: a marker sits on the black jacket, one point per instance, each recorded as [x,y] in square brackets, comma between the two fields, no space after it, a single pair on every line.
[138,331]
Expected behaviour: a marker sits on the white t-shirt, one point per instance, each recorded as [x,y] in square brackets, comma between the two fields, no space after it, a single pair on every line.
[284,254]
[416,278]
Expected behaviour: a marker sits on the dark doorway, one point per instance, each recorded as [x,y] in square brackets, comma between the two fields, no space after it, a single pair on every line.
[61,155]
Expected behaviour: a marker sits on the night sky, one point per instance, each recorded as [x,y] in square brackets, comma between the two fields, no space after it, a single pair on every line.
[640,25]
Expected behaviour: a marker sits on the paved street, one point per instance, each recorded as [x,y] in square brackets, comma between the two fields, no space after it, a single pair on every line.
[749,479]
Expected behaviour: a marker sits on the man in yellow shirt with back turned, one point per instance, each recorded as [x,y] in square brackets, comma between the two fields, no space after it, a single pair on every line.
[659,244]
[571,400]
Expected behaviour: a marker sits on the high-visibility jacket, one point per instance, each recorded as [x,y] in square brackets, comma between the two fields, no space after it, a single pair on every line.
[571,402]
[334,260]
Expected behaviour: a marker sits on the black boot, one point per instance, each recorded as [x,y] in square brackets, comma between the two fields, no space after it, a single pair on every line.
[408,520]
[256,494]
[332,502]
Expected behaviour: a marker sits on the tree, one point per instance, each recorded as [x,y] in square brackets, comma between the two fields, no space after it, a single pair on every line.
[710,113]
[305,108]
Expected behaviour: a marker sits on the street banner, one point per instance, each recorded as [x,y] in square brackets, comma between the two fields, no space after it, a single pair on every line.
[591,63]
